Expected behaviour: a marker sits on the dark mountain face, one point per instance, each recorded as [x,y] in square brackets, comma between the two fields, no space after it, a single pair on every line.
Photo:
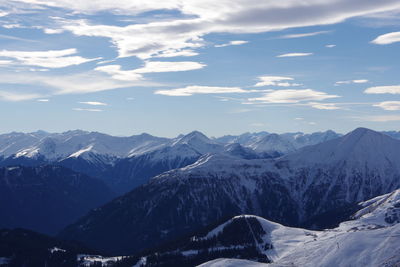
[21,247]
[132,172]
[290,190]
[241,237]
[167,208]
[47,198]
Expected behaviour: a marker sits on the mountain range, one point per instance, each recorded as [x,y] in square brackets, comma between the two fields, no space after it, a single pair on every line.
[124,163]
[160,201]
[367,238]
[295,190]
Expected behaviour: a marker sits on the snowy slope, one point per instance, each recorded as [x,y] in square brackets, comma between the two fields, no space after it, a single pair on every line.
[232,263]
[370,239]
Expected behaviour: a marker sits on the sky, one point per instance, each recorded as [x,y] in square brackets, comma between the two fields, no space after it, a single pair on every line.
[221,67]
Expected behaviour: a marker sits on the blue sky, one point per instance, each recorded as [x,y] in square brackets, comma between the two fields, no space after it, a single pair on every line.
[227,67]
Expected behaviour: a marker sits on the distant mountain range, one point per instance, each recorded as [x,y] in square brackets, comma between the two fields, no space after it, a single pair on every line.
[124,163]
[295,190]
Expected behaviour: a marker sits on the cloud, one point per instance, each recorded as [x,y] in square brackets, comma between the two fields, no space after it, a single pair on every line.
[381,118]
[87,109]
[352,81]
[162,66]
[330,45]
[199,18]
[389,105]
[195,89]
[295,55]
[14,97]
[43,100]
[150,66]
[94,103]
[5,62]
[118,74]
[46,59]
[48,85]
[53,31]
[275,81]
[301,35]
[391,89]
[388,38]
[178,53]
[292,96]
[324,106]
[257,124]
[238,42]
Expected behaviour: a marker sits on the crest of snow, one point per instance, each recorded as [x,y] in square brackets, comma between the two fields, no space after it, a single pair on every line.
[377,209]
[56,249]
[80,152]
[222,262]
[89,260]
[29,152]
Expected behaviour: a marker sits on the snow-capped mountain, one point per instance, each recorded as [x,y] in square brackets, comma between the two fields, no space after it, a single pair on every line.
[369,239]
[47,198]
[289,142]
[75,144]
[273,143]
[317,180]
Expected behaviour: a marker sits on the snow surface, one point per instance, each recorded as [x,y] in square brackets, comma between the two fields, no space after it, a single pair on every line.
[88,260]
[56,249]
[366,241]
[232,263]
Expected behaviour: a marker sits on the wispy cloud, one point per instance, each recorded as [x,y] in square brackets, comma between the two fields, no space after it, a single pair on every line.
[379,118]
[48,85]
[146,40]
[302,35]
[150,67]
[257,124]
[177,53]
[295,55]
[324,106]
[237,42]
[275,81]
[390,89]
[292,96]
[352,81]
[9,37]
[195,89]
[389,105]
[46,59]
[13,97]
[330,45]
[43,100]
[94,103]
[118,74]
[388,38]
[88,109]
[164,66]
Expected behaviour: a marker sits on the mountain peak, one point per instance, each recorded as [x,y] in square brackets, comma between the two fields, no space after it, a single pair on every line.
[194,137]
[362,145]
